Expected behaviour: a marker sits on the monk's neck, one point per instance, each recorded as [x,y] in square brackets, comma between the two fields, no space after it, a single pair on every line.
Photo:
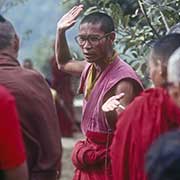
[105,62]
[100,68]
[10,52]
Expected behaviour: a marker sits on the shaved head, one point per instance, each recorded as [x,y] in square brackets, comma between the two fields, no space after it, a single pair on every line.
[164,47]
[107,24]
[7,33]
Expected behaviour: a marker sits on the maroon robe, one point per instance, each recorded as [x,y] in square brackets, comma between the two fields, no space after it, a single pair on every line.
[148,116]
[38,118]
[61,82]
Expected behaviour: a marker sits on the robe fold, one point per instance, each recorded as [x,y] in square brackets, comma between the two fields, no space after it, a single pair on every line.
[91,157]
[148,116]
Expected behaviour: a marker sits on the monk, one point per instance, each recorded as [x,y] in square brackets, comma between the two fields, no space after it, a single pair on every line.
[149,115]
[103,74]
[27,63]
[163,157]
[37,113]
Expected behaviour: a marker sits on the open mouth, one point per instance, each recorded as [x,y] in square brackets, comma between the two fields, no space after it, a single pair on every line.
[89,56]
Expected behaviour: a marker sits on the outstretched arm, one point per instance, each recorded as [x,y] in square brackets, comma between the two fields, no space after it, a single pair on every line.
[63,57]
[117,100]
[113,103]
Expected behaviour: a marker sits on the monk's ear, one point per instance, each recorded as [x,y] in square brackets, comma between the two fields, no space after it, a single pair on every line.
[16,43]
[162,68]
[112,36]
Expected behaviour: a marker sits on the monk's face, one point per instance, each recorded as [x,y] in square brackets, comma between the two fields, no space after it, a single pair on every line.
[155,73]
[95,43]
[157,69]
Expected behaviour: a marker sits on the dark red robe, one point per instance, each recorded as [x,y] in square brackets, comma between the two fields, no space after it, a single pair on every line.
[38,118]
[148,116]
[91,157]
[61,82]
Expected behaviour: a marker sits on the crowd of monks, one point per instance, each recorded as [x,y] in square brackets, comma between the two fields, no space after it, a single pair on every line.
[124,125]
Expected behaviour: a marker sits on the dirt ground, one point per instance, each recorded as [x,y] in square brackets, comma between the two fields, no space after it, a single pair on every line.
[67,167]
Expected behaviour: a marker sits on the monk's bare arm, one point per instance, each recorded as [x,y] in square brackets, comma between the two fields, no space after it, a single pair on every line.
[61,47]
[63,57]
[118,98]
[130,89]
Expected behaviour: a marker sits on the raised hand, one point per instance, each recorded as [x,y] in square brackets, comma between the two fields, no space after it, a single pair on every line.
[113,103]
[69,19]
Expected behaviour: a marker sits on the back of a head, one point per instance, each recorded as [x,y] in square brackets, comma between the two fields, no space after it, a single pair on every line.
[107,24]
[7,33]
[163,157]
[164,47]
[174,67]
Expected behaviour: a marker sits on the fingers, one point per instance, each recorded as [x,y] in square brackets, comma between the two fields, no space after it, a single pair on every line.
[109,107]
[76,10]
[112,103]
[119,96]
[69,19]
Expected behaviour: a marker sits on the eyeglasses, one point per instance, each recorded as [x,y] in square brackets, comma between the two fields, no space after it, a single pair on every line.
[93,40]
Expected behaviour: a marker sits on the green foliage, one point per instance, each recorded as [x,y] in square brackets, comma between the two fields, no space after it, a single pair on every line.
[138,24]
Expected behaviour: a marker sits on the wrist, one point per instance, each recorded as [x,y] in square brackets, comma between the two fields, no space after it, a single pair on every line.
[60,30]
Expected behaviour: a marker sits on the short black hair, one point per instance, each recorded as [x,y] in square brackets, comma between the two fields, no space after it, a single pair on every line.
[163,157]
[7,33]
[106,21]
[165,46]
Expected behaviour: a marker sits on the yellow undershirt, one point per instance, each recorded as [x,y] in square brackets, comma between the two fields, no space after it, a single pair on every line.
[91,80]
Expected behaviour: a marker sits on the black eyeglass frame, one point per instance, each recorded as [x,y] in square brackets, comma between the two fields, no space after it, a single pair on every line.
[86,38]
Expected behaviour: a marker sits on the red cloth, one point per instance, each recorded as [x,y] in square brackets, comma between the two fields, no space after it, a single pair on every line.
[65,124]
[38,118]
[61,82]
[148,116]
[91,157]
[12,152]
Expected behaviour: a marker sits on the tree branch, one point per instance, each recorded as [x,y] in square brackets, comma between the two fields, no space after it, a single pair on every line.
[164,19]
[143,9]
